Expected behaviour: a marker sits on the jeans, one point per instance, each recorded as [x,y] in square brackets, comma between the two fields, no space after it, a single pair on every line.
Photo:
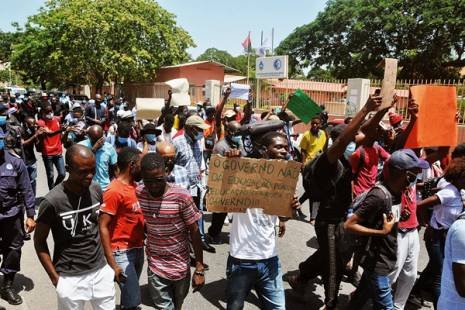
[438,241]
[32,172]
[374,286]
[264,275]
[131,261]
[49,162]
[167,294]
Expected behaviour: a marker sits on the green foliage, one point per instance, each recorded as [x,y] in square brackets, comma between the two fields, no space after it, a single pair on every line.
[350,37]
[7,39]
[238,62]
[92,41]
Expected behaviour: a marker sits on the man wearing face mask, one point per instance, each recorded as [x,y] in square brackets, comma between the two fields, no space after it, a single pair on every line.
[95,112]
[190,164]
[378,218]
[14,181]
[122,139]
[122,227]
[105,156]
[149,134]
[232,140]
[52,149]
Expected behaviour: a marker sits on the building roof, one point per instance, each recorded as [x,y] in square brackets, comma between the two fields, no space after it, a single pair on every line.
[193,63]
[309,85]
[228,78]
[324,86]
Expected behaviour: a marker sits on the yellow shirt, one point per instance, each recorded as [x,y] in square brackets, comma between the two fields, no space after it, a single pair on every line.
[176,122]
[312,145]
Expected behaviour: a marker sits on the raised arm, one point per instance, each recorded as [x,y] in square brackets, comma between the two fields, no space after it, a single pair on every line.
[338,147]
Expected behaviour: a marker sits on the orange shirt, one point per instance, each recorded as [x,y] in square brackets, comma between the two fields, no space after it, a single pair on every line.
[127,225]
[209,131]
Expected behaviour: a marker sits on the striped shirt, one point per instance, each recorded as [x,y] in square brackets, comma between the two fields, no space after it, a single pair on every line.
[166,220]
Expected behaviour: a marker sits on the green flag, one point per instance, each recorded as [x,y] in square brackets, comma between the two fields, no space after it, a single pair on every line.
[303,106]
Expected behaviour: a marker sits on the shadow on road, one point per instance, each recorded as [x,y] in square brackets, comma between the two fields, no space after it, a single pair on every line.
[21,283]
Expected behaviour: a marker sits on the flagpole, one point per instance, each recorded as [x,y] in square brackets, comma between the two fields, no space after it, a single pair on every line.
[248,67]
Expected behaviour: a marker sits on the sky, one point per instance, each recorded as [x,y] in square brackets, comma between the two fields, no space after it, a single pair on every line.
[211,23]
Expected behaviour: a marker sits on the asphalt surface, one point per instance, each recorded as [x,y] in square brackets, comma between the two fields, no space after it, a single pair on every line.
[298,243]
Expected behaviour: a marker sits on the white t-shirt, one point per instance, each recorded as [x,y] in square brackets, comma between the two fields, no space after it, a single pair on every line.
[454,253]
[253,235]
[451,206]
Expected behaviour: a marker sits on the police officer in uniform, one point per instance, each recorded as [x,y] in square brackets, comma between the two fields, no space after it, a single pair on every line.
[15,194]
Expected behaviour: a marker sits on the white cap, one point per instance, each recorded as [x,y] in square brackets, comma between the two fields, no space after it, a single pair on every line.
[76,105]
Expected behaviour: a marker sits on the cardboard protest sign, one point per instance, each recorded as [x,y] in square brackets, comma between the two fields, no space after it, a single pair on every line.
[303,106]
[389,81]
[149,108]
[435,124]
[239,91]
[180,92]
[236,184]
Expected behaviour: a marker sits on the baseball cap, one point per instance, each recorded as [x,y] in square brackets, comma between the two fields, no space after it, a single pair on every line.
[3,107]
[125,114]
[196,121]
[406,159]
[76,106]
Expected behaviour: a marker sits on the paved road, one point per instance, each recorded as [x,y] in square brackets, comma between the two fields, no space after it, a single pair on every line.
[298,243]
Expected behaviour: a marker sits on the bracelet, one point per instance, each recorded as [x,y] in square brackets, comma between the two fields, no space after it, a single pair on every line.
[200,273]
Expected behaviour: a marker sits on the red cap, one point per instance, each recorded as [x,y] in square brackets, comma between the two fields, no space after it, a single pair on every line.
[395,118]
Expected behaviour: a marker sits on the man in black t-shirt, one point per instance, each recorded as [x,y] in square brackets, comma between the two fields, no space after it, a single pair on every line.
[79,270]
[331,181]
[377,218]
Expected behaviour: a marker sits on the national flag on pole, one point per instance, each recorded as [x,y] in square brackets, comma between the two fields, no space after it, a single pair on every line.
[247,44]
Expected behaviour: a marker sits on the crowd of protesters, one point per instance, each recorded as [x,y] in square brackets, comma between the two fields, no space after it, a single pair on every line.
[136,191]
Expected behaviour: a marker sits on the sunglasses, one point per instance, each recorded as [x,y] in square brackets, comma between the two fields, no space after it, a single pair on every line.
[155,180]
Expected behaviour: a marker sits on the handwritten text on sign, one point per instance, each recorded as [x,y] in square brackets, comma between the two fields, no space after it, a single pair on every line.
[236,184]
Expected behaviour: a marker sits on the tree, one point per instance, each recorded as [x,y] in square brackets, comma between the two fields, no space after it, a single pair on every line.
[239,62]
[7,39]
[93,41]
[214,54]
[350,38]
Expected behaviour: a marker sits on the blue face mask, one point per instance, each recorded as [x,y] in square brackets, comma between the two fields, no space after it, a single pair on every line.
[2,144]
[150,137]
[236,139]
[198,136]
[122,140]
[2,120]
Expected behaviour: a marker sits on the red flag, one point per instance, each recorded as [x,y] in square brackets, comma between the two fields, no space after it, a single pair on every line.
[247,44]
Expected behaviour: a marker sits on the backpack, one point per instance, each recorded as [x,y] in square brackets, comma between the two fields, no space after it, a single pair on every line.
[354,243]
[310,183]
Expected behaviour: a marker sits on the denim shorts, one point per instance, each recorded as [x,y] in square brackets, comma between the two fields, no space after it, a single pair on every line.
[131,261]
